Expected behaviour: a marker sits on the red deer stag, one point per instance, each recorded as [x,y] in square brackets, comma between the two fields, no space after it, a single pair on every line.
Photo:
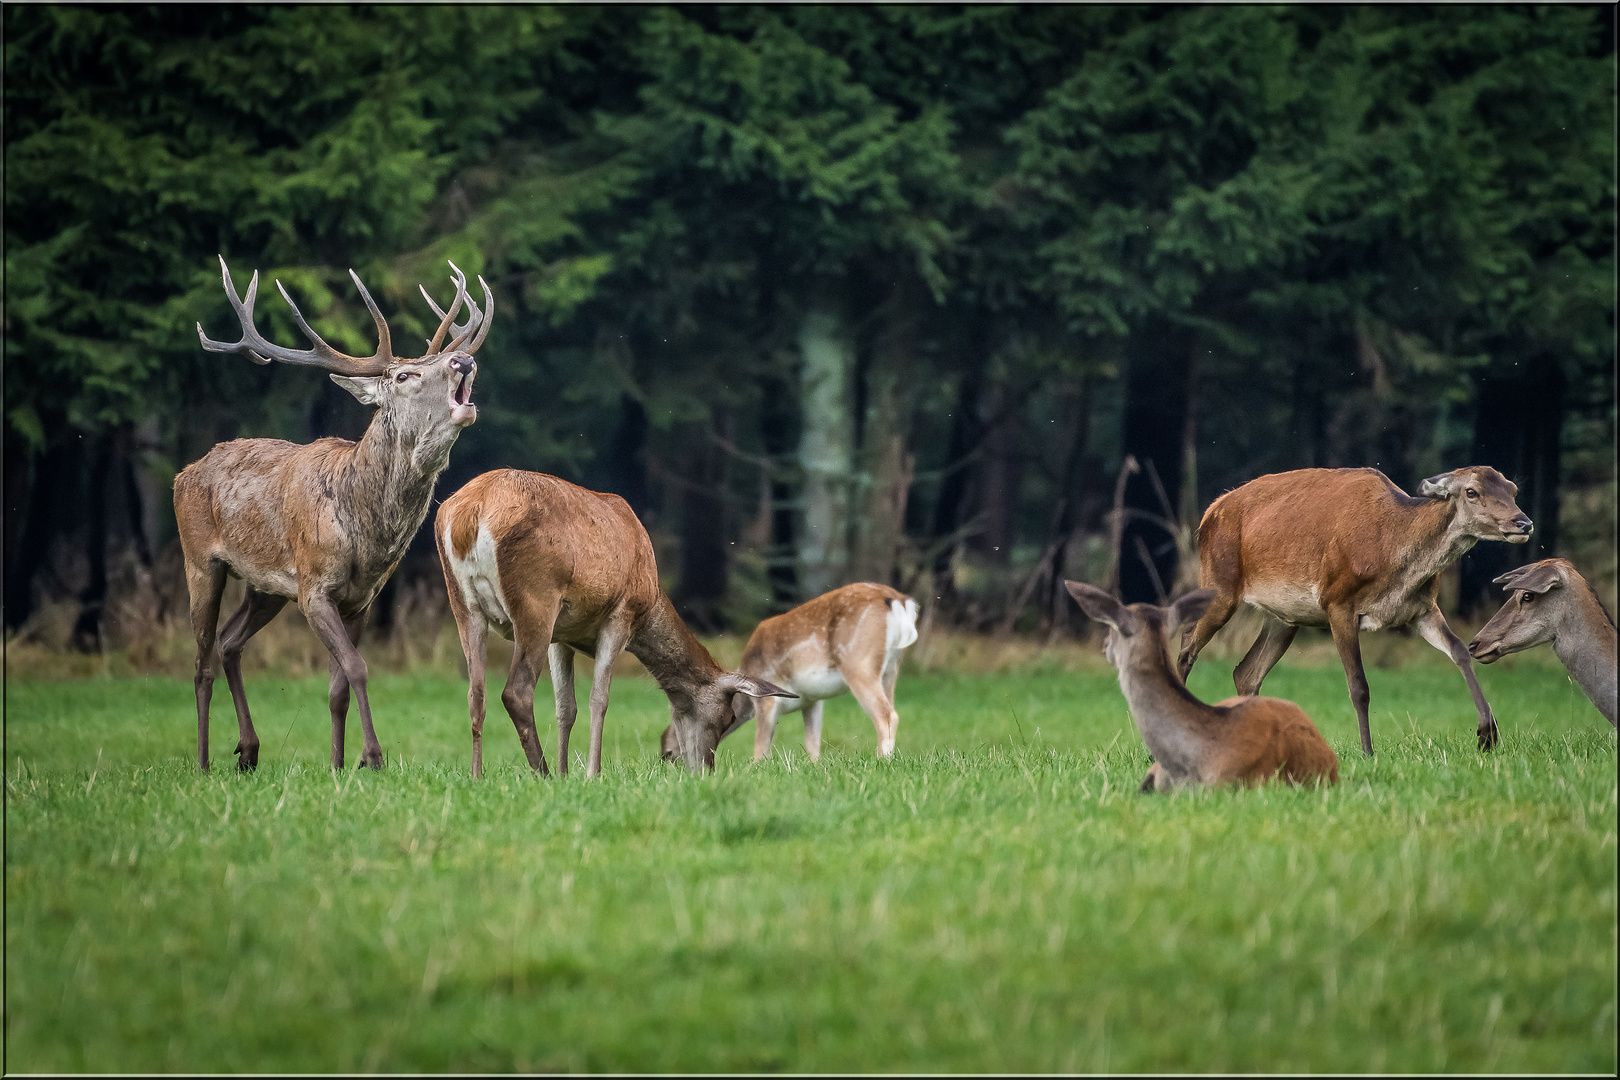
[559,569]
[1550,601]
[322,524]
[1347,549]
[845,640]
[1242,740]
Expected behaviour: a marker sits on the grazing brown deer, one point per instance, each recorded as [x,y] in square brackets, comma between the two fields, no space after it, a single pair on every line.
[559,569]
[848,639]
[323,524]
[1243,740]
[1550,601]
[1347,549]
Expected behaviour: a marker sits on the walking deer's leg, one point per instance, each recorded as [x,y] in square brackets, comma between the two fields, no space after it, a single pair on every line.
[1268,648]
[337,691]
[562,690]
[477,689]
[1347,636]
[765,710]
[867,686]
[206,585]
[255,613]
[812,729]
[608,647]
[1432,625]
[334,633]
[532,623]
[1219,611]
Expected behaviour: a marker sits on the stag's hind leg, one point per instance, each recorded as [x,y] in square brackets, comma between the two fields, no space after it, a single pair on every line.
[257,609]
[205,583]
[1268,648]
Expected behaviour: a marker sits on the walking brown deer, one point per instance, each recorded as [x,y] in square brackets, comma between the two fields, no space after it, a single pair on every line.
[323,524]
[1243,740]
[1347,549]
[1550,601]
[559,569]
[848,639]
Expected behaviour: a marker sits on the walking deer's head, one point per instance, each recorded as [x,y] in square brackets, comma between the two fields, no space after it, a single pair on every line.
[1483,502]
[1138,627]
[427,401]
[709,715]
[1540,593]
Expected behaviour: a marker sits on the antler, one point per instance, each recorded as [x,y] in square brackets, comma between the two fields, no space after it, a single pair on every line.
[323,355]
[477,321]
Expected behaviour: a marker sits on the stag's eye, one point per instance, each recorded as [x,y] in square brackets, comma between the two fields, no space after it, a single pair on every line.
[1472,494]
[402,376]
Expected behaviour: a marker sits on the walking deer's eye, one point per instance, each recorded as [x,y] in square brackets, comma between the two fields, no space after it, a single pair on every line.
[1472,494]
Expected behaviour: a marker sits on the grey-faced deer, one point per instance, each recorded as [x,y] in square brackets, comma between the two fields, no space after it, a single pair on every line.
[844,641]
[322,524]
[1551,602]
[1243,740]
[558,570]
[1347,549]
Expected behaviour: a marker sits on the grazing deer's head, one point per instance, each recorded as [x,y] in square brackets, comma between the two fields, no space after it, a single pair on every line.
[426,401]
[1483,500]
[705,717]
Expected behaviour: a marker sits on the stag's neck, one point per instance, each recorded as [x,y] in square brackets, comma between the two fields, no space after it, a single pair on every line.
[671,653]
[387,479]
[1585,641]
[1170,718]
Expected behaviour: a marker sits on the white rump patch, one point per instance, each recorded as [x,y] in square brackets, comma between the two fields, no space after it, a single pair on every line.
[902,628]
[478,579]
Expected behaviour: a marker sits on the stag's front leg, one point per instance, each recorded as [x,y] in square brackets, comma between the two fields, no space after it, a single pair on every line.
[561,658]
[206,585]
[609,645]
[337,690]
[257,610]
[333,631]
[1432,625]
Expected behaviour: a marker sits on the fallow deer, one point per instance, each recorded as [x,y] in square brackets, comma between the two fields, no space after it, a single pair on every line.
[847,640]
[1243,740]
[1550,601]
[1347,549]
[559,569]
[323,524]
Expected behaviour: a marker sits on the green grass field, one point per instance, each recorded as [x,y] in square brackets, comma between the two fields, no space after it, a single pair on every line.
[998,897]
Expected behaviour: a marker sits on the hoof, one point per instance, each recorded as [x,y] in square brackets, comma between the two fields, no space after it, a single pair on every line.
[1488,737]
[371,761]
[247,759]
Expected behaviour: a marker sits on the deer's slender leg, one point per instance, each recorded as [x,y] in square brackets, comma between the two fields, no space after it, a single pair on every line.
[562,691]
[1347,636]
[333,631]
[472,647]
[337,690]
[867,686]
[257,609]
[765,710]
[812,729]
[609,645]
[206,585]
[1268,648]
[1432,625]
[532,623]
[1215,617]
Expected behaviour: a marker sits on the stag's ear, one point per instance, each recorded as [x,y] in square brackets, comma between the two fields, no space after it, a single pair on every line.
[1443,486]
[1189,609]
[367,389]
[738,683]
[1102,607]
[1538,578]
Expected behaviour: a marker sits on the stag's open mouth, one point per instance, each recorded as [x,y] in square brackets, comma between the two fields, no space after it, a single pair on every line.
[462,410]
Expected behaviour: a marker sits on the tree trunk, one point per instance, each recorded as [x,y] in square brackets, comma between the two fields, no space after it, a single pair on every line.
[778,432]
[825,450]
[1155,424]
[701,590]
[885,466]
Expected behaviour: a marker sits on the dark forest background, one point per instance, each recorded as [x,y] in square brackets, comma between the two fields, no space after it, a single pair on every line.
[967,299]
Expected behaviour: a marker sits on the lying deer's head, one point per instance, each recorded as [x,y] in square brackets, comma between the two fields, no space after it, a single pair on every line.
[711,714]
[1539,594]
[1136,627]
[428,399]
[1484,504]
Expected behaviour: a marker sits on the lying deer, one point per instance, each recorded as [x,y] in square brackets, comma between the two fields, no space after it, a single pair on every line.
[322,524]
[1550,601]
[558,569]
[1243,740]
[845,640]
[1347,549]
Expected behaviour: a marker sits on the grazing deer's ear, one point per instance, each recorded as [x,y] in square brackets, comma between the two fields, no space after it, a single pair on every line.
[742,707]
[1102,607]
[737,682]
[366,389]
[1443,486]
[1189,609]
[1538,578]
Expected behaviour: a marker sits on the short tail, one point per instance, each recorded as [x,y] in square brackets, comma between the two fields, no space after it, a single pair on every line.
[902,623]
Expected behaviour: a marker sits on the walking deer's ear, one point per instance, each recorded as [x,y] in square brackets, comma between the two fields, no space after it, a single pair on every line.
[1189,609]
[366,389]
[1102,607]
[737,682]
[1443,486]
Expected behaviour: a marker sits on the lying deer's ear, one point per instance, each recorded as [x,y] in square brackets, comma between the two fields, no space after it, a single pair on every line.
[1438,487]
[367,389]
[737,682]
[1538,578]
[1102,607]
[1189,609]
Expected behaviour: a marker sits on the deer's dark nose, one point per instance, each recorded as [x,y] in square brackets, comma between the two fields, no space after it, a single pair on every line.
[1524,523]
[462,364]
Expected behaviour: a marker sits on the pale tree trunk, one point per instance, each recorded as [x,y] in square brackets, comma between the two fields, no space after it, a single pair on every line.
[826,446]
[885,466]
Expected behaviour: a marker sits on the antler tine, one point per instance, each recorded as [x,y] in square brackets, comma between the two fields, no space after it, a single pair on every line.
[257,346]
[446,317]
[244,313]
[488,316]
[385,345]
[475,319]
